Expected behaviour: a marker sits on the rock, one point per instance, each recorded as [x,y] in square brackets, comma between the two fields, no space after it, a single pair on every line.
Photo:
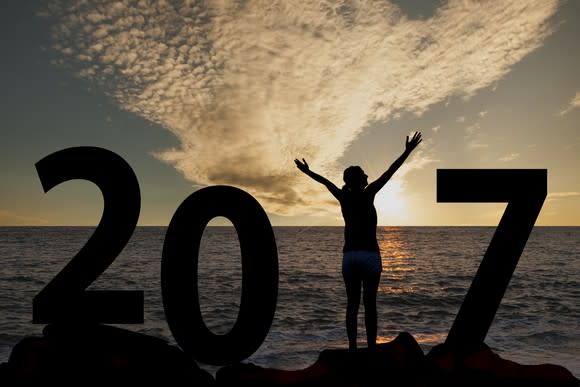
[91,355]
[397,362]
[401,363]
[95,354]
[483,367]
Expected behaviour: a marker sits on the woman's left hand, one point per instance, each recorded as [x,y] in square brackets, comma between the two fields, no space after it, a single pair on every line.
[302,165]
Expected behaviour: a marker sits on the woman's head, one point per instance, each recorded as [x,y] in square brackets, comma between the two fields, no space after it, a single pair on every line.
[355,178]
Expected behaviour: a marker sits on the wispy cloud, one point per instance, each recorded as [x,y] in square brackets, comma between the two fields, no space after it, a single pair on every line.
[573,104]
[474,139]
[247,86]
[471,129]
[561,195]
[508,158]
[12,218]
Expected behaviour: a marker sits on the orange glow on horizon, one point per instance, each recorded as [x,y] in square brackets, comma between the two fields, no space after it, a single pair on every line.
[392,207]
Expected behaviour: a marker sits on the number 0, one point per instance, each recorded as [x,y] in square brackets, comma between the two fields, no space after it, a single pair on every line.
[259,275]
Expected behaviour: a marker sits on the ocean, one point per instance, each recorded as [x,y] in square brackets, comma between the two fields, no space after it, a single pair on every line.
[426,273]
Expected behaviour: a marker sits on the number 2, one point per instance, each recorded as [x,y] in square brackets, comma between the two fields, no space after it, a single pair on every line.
[64,299]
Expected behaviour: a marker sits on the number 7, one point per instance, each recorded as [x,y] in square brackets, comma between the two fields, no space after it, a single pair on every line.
[525,191]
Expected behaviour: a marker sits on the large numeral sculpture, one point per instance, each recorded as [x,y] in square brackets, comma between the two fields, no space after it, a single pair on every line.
[259,275]
[524,190]
[65,298]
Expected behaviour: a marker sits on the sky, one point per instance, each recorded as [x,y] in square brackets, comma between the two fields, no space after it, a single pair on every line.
[200,93]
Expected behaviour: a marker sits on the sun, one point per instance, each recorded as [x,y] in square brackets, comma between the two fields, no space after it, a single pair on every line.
[392,207]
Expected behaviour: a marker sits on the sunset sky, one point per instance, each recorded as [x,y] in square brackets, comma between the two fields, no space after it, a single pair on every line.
[195,93]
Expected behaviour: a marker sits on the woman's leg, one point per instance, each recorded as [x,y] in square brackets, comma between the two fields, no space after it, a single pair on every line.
[353,286]
[370,288]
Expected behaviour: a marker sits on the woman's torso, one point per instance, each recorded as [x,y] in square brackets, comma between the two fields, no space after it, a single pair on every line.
[360,221]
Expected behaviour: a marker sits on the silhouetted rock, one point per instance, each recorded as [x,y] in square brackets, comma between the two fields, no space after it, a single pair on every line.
[90,355]
[395,363]
[483,367]
[103,355]
[401,363]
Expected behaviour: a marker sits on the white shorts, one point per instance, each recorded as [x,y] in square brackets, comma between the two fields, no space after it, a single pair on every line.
[361,264]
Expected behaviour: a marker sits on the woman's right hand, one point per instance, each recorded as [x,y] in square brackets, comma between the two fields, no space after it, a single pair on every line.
[412,144]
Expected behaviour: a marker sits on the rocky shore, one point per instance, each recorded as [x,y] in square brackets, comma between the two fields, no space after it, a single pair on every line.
[102,355]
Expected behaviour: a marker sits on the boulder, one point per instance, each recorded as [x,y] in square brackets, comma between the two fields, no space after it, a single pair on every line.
[395,363]
[95,354]
[402,363]
[483,367]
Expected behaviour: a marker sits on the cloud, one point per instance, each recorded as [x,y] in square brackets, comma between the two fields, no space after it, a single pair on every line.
[508,158]
[573,104]
[474,138]
[247,86]
[561,195]
[11,218]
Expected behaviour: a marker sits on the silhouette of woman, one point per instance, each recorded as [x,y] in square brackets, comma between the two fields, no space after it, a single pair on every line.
[361,263]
